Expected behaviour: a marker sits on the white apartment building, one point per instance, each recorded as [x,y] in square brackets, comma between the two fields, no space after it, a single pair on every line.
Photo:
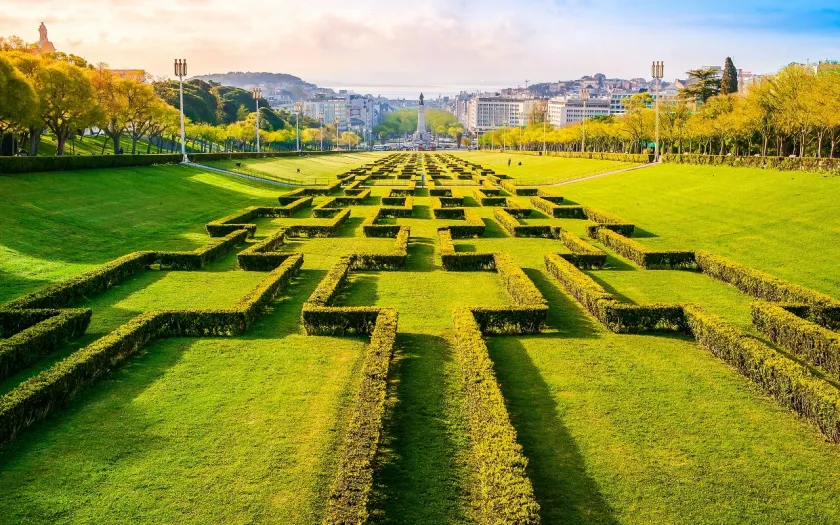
[562,111]
[490,112]
[350,111]
[329,110]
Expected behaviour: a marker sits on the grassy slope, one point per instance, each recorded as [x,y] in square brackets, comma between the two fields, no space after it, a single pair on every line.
[541,170]
[781,222]
[91,145]
[313,169]
[618,429]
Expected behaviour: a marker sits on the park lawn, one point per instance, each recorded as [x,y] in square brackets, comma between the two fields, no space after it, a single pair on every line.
[57,225]
[785,223]
[215,430]
[314,169]
[92,145]
[537,170]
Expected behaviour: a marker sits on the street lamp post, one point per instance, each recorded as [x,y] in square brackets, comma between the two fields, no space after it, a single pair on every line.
[257,96]
[584,95]
[181,72]
[297,124]
[657,72]
[321,132]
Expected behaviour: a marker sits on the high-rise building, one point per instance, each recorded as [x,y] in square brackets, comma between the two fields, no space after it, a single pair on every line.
[486,112]
[563,111]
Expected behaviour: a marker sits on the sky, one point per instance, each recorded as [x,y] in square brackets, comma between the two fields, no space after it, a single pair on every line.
[433,42]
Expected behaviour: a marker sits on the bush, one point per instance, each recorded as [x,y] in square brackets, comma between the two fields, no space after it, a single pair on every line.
[817,165]
[87,284]
[233,222]
[803,339]
[263,256]
[522,191]
[608,221]
[509,222]
[26,346]
[518,285]
[789,382]
[503,492]
[196,259]
[462,261]
[552,209]
[482,196]
[618,317]
[348,499]
[583,255]
[10,165]
[439,192]
[640,255]
[825,310]
[319,230]
[620,157]
[474,226]
[393,260]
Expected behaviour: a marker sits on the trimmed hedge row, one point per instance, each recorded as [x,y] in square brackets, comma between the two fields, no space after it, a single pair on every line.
[371,229]
[235,221]
[330,207]
[825,309]
[502,492]
[511,319]
[583,255]
[462,261]
[518,285]
[639,158]
[439,192]
[556,210]
[608,221]
[643,257]
[197,258]
[350,492]
[509,222]
[449,213]
[806,340]
[319,230]
[484,198]
[29,344]
[263,256]
[392,260]
[34,399]
[817,165]
[618,317]
[786,380]
[473,227]
[510,187]
[447,202]
[10,165]
[87,284]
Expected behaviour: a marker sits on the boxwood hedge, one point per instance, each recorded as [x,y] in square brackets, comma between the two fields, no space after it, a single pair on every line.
[643,257]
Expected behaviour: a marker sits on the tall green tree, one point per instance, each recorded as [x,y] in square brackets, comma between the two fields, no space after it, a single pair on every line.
[729,82]
[19,98]
[705,86]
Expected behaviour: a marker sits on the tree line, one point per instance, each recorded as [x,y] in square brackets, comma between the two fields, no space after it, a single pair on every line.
[795,112]
[66,96]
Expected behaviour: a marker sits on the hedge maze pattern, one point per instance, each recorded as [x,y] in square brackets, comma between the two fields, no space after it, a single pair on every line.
[800,321]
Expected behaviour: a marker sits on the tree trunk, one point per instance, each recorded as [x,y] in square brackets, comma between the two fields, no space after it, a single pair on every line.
[61,139]
[34,141]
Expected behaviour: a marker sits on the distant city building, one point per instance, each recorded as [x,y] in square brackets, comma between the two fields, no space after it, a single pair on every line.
[490,112]
[348,110]
[562,111]
[828,65]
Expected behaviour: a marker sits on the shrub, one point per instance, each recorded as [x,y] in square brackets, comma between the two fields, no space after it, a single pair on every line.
[789,382]
[640,255]
[806,340]
[462,261]
[235,221]
[473,227]
[263,256]
[503,492]
[348,499]
[818,165]
[618,317]
[518,285]
[511,319]
[439,192]
[608,221]
[557,211]
[513,189]
[23,348]
[825,310]
[482,196]
[10,165]
[197,258]
[319,230]
[583,255]
[392,260]
[509,222]
[87,284]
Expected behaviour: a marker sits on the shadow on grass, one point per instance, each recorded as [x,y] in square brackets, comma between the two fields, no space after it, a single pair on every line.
[421,256]
[349,227]
[13,286]
[469,200]
[610,288]
[492,230]
[422,211]
[417,479]
[643,234]
[565,314]
[556,467]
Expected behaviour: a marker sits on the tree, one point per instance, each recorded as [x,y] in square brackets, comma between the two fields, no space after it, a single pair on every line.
[705,85]
[112,96]
[18,96]
[729,82]
[68,102]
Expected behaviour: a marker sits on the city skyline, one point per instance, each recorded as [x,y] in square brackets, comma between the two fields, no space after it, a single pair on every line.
[437,43]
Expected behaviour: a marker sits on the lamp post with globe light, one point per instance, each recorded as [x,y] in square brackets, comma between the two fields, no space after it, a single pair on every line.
[657,72]
[257,96]
[181,72]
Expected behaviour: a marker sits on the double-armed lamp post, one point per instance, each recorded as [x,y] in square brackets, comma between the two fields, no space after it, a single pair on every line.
[657,72]
[181,72]
[584,96]
[257,96]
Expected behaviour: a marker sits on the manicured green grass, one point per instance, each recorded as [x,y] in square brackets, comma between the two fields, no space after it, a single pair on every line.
[314,169]
[785,223]
[618,429]
[92,145]
[56,225]
[541,170]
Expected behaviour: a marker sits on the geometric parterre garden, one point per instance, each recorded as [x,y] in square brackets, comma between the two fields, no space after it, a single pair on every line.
[421,341]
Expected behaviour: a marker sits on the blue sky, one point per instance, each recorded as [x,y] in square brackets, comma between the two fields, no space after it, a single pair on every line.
[445,42]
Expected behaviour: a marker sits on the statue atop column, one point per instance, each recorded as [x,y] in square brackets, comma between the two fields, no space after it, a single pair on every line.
[44,45]
[43,32]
